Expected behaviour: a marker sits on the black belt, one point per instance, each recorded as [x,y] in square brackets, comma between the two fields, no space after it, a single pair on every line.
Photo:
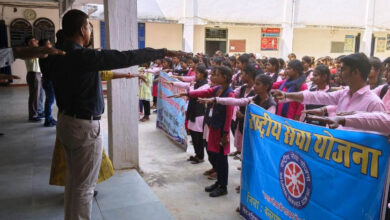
[81,116]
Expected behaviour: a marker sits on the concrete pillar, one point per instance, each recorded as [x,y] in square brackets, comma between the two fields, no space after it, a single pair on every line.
[287,33]
[365,42]
[188,25]
[121,33]
[286,41]
[188,36]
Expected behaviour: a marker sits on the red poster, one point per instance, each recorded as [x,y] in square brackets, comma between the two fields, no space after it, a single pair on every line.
[269,43]
[270,30]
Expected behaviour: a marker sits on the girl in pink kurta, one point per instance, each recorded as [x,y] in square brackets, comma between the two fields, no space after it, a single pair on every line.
[248,76]
[195,113]
[261,97]
[219,129]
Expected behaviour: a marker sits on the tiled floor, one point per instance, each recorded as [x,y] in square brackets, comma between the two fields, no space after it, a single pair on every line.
[25,159]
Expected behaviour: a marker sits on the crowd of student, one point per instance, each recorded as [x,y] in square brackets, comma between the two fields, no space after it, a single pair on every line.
[351,91]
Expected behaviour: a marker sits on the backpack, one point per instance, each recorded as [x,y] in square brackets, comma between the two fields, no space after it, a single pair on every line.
[384,91]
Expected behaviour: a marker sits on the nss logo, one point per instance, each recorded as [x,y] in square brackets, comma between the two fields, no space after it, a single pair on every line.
[295,179]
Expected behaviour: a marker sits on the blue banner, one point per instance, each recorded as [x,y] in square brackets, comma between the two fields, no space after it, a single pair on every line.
[171,112]
[292,170]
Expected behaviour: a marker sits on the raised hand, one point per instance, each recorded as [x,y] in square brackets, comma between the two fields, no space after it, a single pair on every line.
[279,95]
[175,95]
[332,122]
[35,52]
[316,111]
[206,100]
[346,113]
[7,76]
[175,53]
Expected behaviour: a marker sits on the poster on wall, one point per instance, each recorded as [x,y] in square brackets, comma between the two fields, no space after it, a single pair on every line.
[348,43]
[237,46]
[270,38]
[381,44]
[388,42]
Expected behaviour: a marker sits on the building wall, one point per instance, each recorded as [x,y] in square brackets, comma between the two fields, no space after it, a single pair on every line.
[347,13]
[160,35]
[160,9]
[18,67]
[249,11]
[252,36]
[199,39]
[317,42]
[331,13]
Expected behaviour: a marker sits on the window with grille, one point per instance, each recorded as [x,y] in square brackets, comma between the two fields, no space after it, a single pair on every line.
[20,29]
[44,29]
[216,33]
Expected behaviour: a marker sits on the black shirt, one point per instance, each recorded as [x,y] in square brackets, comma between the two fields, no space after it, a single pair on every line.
[75,76]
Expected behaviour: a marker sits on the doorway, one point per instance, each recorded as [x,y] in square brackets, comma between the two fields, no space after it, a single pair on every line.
[216,39]
[213,46]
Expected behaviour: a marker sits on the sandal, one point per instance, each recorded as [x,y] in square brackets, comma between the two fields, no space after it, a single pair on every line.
[234,153]
[208,172]
[212,176]
[144,119]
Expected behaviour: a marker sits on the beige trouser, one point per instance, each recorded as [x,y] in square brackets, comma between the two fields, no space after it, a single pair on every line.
[82,141]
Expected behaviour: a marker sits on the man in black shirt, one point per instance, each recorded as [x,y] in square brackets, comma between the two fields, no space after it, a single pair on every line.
[80,101]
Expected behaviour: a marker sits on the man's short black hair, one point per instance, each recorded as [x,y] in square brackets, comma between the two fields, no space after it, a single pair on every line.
[27,39]
[72,22]
[358,61]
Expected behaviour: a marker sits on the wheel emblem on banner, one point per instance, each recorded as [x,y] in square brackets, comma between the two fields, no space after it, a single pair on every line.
[295,179]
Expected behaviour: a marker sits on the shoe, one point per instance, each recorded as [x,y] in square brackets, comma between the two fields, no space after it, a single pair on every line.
[219,191]
[144,119]
[53,121]
[212,176]
[197,160]
[211,187]
[191,158]
[95,192]
[41,115]
[155,112]
[208,172]
[49,124]
[34,119]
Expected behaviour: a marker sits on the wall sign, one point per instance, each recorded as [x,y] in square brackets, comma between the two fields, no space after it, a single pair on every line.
[270,38]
